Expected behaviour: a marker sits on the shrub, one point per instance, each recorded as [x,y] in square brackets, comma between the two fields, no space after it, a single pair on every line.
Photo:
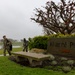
[31,43]
[38,42]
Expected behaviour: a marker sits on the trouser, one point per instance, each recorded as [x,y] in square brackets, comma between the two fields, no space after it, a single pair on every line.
[25,48]
[8,50]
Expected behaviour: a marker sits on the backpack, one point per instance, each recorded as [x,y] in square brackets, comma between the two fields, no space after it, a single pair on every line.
[9,44]
[10,47]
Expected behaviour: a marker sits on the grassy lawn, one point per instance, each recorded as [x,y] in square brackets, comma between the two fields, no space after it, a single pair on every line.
[17,49]
[8,67]
[14,50]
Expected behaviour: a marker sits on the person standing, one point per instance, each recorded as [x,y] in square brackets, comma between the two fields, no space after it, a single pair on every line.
[25,45]
[7,45]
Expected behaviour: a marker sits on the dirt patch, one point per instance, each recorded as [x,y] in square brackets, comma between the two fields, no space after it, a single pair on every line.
[36,50]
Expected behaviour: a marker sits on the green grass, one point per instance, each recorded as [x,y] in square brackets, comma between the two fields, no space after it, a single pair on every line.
[8,67]
[17,43]
[14,43]
[13,50]
[17,49]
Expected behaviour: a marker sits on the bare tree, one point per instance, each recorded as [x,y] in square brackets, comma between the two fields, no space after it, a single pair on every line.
[57,18]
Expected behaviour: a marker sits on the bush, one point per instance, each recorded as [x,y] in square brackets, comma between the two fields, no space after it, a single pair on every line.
[38,42]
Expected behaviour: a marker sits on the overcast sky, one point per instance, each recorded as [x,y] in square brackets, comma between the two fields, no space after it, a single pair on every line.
[15,19]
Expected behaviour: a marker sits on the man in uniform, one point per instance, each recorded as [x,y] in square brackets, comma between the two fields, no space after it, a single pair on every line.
[25,45]
[7,43]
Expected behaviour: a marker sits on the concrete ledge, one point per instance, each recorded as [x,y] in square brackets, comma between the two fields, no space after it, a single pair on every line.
[34,58]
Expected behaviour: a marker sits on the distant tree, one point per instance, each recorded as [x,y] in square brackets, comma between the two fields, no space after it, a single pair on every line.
[57,18]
